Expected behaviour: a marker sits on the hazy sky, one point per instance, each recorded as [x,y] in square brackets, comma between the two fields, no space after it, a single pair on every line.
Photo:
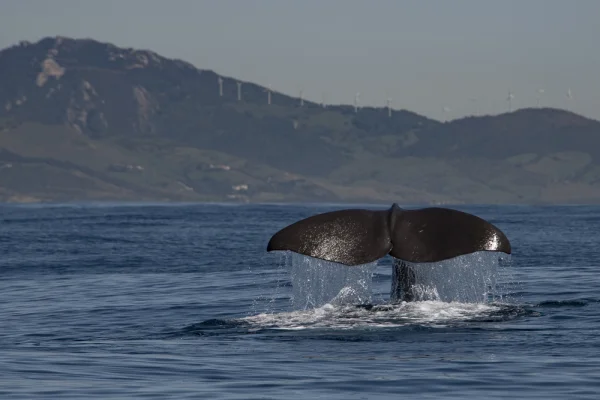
[425,54]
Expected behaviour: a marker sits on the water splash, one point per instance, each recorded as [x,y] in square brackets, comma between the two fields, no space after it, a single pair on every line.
[275,281]
[470,278]
[328,295]
[317,282]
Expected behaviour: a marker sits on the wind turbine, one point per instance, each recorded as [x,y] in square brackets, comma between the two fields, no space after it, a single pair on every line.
[509,99]
[301,99]
[356,98]
[220,80]
[570,99]
[239,91]
[540,93]
[268,90]
[389,106]
[446,111]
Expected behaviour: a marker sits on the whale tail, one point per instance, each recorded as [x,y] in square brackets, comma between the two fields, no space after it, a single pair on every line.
[357,236]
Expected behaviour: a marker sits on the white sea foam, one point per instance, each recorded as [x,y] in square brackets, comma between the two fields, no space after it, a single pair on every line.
[432,313]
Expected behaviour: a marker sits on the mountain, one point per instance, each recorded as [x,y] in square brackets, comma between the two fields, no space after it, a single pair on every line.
[85,120]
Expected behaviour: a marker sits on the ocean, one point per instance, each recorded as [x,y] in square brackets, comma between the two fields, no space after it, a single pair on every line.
[182,301]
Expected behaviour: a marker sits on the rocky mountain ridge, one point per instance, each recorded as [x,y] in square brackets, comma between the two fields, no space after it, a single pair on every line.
[86,120]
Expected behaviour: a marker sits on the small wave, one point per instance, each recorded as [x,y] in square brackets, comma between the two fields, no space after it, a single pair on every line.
[562,303]
[214,327]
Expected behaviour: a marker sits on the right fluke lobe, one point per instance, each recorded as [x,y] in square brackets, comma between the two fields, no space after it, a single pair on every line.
[436,234]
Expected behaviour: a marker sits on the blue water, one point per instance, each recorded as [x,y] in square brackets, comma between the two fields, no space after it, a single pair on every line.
[182,301]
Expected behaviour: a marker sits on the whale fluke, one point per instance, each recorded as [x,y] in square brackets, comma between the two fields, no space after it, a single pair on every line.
[356,236]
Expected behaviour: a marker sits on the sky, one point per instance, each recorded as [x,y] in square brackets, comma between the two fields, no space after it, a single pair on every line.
[465,55]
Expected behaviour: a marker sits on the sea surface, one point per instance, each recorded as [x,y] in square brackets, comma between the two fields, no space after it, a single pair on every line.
[154,301]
